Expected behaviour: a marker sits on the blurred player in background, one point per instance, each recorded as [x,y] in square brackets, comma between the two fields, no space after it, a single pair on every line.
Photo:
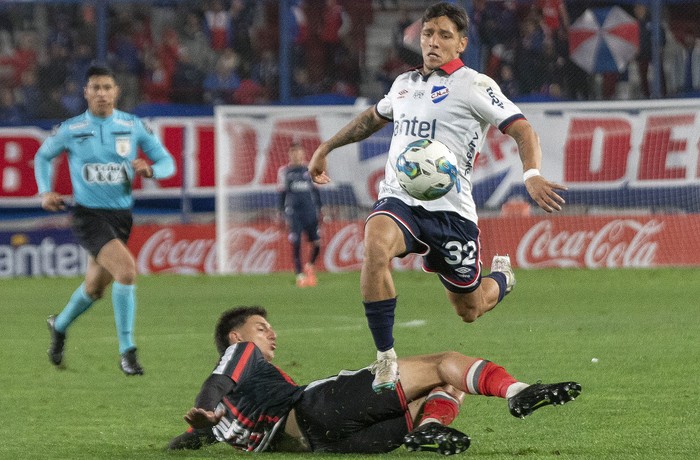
[300,202]
[102,146]
[253,405]
[447,101]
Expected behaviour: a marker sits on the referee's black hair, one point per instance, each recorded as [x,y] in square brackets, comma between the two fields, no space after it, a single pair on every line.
[99,70]
[232,319]
[455,13]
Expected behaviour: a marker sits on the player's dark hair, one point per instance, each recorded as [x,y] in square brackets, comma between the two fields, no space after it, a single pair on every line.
[97,70]
[454,13]
[233,319]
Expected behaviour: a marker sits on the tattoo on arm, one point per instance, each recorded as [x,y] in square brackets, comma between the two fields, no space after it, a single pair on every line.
[363,126]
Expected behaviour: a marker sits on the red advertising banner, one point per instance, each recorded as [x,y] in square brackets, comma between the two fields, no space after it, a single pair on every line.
[532,242]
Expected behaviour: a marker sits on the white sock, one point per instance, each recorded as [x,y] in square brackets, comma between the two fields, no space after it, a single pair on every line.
[515,388]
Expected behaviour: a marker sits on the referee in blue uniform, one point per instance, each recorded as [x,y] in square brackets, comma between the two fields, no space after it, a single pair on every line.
[102,145]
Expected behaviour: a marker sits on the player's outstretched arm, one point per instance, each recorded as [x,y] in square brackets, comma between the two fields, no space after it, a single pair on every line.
[361,127]
[540,189]
[202,418]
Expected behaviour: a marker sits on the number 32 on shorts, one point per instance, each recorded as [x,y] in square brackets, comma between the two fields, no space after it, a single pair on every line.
[461,253]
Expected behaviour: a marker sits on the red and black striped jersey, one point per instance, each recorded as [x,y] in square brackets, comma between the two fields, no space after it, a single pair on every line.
[255,395]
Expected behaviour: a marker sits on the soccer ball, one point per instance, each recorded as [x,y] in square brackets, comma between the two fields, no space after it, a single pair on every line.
[427,170]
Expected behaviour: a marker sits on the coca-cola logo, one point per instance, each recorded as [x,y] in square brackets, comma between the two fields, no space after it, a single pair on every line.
[345,252]
[618,243]
[251,251]
[163,252]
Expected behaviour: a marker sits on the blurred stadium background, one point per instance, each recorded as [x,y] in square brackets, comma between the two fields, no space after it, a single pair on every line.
[234,82]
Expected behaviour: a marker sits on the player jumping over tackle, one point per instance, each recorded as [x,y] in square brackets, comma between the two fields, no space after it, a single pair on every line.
[449,102]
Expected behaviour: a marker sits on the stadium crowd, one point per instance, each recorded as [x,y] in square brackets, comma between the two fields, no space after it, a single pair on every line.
[227,51]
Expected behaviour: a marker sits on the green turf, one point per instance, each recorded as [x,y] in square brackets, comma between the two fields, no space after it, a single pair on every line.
[640,400]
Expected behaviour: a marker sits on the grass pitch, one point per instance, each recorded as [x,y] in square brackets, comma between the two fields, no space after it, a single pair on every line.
[639,400]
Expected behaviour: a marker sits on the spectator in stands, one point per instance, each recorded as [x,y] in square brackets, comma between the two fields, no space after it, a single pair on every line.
[29,95]
[265,32]
[509,85]
[60,31]
[405,53]
[555,17]
[168,50]
[72,99]
[52,72]
[301,85]
[498,31]
[218,25]
[156,81]
[51,107]
[250,91]
[220,84]
[141,34]
[530,62]
[690,43]
[392,67]
[242,16]
[302,36]
[644,57]
[163,14]
[25,55]
[80,61]
[10,112]
[266,71]
[187,80]
[336,23]
[193,37]
[125,59]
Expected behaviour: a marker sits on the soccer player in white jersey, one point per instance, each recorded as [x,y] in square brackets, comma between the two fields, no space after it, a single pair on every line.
[447,101]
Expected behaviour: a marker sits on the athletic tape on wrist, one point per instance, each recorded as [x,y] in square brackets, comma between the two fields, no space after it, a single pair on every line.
[530,173]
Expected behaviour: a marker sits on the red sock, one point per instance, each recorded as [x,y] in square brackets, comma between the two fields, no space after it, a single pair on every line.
[488,379]
[439,406]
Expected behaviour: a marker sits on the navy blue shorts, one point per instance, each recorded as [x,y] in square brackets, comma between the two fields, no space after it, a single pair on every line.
[448,242]
[303,224]
[342,414]
[96,227]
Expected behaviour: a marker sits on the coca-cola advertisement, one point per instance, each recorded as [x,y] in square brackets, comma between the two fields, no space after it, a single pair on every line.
[247,249]
[593,241]
[532,242]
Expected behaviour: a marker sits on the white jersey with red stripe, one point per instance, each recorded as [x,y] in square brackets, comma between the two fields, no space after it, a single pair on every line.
[453,104]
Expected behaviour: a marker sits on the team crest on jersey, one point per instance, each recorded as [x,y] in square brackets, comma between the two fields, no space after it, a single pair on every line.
[123,146]
[438,93]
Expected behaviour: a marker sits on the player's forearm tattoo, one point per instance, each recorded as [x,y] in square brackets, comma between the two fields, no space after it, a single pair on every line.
[358,129]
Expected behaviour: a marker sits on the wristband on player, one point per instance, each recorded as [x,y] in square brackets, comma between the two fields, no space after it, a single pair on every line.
[530,173]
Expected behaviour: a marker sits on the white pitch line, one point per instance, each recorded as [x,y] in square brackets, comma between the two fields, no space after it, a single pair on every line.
[356,327]
[412,323]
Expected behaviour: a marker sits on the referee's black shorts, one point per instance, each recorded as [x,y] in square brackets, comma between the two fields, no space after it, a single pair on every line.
[342,414]
[96,227]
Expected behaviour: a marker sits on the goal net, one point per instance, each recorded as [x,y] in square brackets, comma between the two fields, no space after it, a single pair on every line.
[631,169]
